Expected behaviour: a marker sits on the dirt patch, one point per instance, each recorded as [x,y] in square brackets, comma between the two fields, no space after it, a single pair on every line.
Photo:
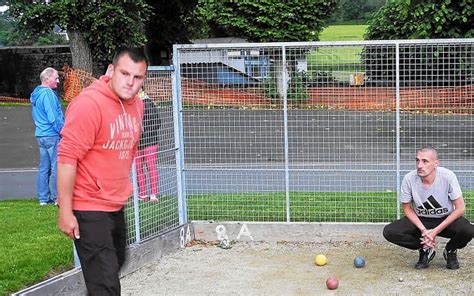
[288,269]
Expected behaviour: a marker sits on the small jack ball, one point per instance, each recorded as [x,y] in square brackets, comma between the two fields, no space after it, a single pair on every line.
[332,283]
[359,262]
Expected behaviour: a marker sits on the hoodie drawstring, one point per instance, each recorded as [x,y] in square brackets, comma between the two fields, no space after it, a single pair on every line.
[129,120]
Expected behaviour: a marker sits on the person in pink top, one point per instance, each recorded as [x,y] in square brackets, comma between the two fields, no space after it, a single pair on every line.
[99,142]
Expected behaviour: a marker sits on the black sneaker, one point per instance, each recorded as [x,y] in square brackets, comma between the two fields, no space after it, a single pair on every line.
[426,255]
[451,258]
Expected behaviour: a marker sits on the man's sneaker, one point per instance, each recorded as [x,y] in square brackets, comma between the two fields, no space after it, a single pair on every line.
[451,258]
[43,203]
[426,255]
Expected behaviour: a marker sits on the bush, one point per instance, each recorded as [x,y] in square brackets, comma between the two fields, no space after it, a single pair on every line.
[429,64]
[420,65]
[422,19]
[297,92]
[298,88]
[322,78]
[270,88]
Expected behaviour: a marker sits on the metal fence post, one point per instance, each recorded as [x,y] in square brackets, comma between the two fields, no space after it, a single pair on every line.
[178,136]
[136,209]
[397,116]
[285,127]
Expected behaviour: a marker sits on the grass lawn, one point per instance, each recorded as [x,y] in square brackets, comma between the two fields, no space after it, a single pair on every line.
[339,61]
[304,207]
[31,246]
[343,33]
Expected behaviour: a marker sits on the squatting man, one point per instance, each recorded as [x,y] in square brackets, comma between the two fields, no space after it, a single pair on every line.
[434,206]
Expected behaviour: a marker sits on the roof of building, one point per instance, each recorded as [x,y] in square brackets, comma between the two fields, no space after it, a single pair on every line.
[219,40]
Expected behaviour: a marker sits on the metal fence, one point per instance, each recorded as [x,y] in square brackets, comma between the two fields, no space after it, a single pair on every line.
[310,132]
[156,168]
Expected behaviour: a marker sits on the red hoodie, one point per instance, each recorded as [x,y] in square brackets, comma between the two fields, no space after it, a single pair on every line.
[100,136]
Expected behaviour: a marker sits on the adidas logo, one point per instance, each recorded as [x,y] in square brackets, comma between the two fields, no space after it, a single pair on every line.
[431,207]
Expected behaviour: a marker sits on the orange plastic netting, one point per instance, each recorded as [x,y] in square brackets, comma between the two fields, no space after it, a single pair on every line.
[74,81]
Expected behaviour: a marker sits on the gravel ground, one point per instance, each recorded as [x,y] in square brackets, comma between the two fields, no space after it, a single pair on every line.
[284,268]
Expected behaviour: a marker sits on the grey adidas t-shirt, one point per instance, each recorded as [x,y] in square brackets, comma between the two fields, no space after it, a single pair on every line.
[434,201]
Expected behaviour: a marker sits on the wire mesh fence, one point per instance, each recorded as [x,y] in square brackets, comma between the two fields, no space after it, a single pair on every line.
[320,132]
[301,132]
[154,207]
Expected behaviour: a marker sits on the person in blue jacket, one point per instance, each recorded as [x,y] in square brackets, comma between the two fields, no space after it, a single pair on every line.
[49,120]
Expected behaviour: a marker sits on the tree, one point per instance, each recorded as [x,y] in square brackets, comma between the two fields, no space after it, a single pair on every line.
[420,19]
[6,27]
[95,28]
[167,27]
[11,36]
[355,11]
[262,20]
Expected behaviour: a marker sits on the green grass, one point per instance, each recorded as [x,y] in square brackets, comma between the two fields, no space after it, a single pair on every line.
[16,104]
[341,58]
[31,247]
[304,207]
[13,104]
[343,33]
[154,217]
[338,60]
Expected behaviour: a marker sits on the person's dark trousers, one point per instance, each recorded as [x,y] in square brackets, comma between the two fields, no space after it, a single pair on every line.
[101,250]
[404,233]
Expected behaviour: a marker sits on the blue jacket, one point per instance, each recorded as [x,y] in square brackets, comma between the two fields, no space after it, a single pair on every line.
[47,113]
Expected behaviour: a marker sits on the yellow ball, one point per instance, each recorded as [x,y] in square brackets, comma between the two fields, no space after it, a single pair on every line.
[320,260]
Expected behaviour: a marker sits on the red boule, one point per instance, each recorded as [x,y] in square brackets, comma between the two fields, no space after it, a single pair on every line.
[332,283]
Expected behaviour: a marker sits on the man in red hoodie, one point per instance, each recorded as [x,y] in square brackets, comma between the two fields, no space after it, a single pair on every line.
[99,141]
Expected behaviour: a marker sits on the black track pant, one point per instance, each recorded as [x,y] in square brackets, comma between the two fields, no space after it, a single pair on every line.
[101,250]
[404,233]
